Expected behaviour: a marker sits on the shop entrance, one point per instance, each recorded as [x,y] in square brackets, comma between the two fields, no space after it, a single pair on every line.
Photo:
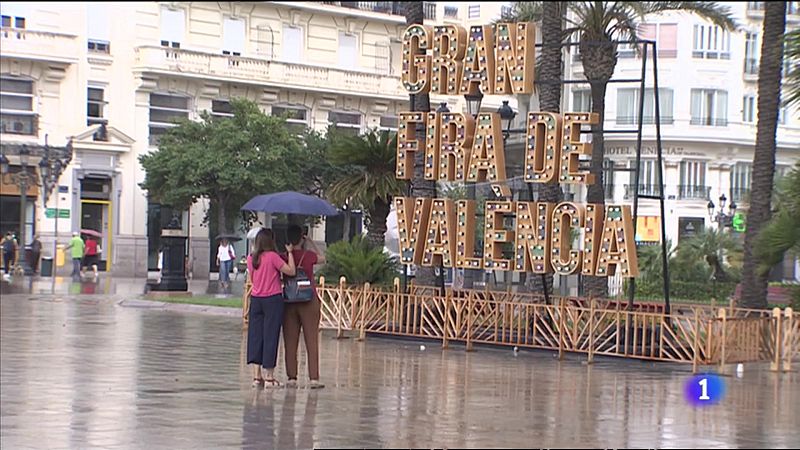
[96,214]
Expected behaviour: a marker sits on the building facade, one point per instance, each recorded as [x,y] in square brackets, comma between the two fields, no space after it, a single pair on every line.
[111,78]
[708,111]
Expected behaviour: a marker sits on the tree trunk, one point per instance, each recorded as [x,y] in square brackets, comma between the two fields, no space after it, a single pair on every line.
[599,59]
[222,217]
[550,101]
[754,285]
[346,225]
[419,186]
[376,226]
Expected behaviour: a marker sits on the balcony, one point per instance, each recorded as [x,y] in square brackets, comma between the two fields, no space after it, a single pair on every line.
[740,195]
[750,69]
[691,192]
[646,120]
[187,63]
[394,8]
[709,121]
[39,45]
[644,189]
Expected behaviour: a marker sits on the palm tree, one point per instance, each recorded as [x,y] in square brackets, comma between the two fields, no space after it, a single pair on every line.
[754,282]
[782,233]
[368,180]
[420,187]
[599,25]
[792,82]
[718,249]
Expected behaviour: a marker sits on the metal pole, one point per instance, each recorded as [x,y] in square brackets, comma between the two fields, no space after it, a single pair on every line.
[632,288]
[664,249]
[23,200]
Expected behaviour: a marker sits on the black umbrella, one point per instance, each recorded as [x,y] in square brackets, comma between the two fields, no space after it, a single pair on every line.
[230,237]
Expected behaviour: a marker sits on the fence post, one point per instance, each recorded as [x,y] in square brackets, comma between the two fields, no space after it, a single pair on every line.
[561,324]
[446,318]
[722,315]
[788,351]
[695,346]
[469,321]
[339,300]
[775,365]
[591,331]
[363,304]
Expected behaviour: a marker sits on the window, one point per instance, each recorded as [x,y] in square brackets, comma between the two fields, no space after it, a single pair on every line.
[383,57]
[751,54]
[648,178]
[388,123]
[665,34]
[165,110]
[16,107]
[94,112]
[792,7]
[98,27]
[347,122]
[348,50]
[711,42]
[474,11]
[755,6]
[221,108]
[296,117]
[14,14]
[628,106]
[741,174]
[693,180]
[749,109]
[582,100]
[709,107]
[233,36]
[292,46]
[173,25]
[451,12]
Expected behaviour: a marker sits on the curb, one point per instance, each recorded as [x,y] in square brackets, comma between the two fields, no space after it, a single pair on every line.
[180,307]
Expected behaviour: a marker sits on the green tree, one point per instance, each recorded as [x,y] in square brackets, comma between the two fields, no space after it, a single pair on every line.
[227,160]
[359,262]
[367,179]
[712,254]
[599,25]
[754,283]
[782,233]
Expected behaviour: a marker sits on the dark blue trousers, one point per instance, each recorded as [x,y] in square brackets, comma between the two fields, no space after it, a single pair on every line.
[264,330]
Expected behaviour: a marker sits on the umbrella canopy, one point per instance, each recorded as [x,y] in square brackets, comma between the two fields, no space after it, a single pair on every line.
[230,237]
[290,203]
[91,233]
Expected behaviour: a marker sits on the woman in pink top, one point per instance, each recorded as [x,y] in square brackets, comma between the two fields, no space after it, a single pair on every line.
[264,266]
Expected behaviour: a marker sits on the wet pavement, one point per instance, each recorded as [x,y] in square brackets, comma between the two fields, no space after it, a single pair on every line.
[81,371]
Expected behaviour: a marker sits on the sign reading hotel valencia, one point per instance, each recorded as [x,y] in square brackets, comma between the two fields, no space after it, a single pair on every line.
[498,60]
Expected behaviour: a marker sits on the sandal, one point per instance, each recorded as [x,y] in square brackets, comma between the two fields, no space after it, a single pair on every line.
[271,383]
[257,382]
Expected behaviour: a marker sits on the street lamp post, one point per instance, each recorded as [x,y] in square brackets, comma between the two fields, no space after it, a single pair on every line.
[723,221]
[473,108]
[23,179]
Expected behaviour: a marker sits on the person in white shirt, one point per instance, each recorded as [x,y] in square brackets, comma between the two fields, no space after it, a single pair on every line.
[225,259]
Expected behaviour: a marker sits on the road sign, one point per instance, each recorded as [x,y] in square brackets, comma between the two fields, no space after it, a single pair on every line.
[50,213]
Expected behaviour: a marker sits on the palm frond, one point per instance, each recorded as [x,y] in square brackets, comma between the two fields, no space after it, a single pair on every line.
[522,12]
[715,12]
[792,54]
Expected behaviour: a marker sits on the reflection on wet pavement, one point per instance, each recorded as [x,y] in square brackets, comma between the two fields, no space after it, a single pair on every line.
[81,371]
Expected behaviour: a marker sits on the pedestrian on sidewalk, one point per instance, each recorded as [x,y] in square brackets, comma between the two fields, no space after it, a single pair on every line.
[265,267]
[76,245]
[36,253]
[90,258]
[225,258]
[303,316]
[9,246]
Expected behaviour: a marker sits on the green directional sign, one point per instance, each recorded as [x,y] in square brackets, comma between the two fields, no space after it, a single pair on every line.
[50,213]
[739,223]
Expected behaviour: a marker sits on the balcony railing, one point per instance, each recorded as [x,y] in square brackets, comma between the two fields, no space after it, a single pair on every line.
[709,121]
[644,189]
[39,45]
[691,192]
[740,195]
[647,120]
[282,74]
[751,66]
[394,8]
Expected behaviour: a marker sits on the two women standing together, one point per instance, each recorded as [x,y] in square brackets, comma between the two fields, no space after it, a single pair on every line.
[269,312]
